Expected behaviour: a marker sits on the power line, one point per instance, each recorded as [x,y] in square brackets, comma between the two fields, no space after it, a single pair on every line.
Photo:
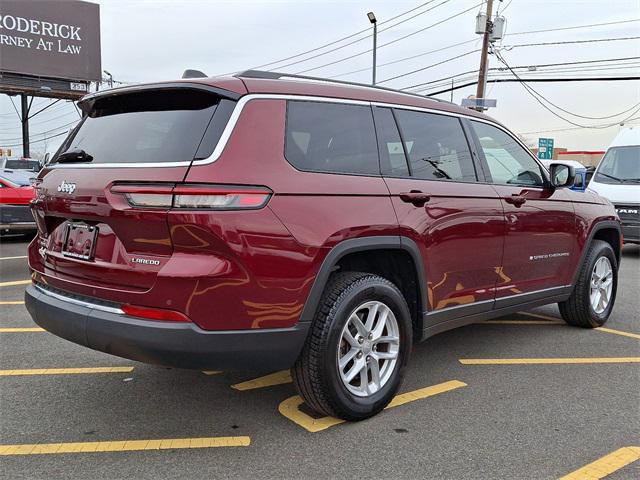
[500,4]
[471,79]
[574,27]
[517,46]
[560,29]
[538,80]
[593,40]
[406,58]
[535,95]
[429,66]
[536,66]
[42,133]
[37,141]
[587,117]
[321,47]
[576,128]
[392,41]
[361,53]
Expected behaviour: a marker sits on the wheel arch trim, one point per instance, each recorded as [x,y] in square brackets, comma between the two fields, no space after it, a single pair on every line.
[601,225]
[355,245]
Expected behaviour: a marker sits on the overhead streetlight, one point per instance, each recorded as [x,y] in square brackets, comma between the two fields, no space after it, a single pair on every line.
[110,78]
[374,21]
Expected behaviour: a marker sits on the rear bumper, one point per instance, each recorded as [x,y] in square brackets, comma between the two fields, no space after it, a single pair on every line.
[175,344]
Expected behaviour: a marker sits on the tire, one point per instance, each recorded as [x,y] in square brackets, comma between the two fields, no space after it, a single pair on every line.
[579,310]
[317,373]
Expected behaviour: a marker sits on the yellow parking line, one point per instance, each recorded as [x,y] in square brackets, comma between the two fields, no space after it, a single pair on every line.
[64,371]
[544,317]
[606,465]
[12,302]
[13,258]
[290,408]
[541,361]
[519,322]
[618,332]
[21,329]
[212,372]
[601,329]
[15,282]
[277,378]
[124,445]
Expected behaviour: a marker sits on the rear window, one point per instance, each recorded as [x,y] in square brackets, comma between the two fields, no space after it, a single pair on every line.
[145,127]
[331,137]
[22,164]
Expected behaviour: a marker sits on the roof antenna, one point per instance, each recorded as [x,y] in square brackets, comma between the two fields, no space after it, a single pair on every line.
[189,73]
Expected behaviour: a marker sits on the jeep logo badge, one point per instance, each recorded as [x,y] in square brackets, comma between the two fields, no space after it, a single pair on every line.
[65,187]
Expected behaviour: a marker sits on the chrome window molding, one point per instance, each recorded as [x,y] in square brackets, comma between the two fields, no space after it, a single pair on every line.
[242,102]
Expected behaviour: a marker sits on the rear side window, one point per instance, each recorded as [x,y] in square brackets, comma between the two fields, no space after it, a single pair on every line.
[393,162]
[145,127]
[437,146]
[508,162]
[331,137]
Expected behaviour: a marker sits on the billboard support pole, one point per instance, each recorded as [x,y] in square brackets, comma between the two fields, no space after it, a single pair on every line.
[25,125]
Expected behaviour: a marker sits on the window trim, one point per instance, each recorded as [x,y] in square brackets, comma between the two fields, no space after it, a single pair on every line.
[375,137]
[546,183]
[404,150]
[245,99]
[408,160]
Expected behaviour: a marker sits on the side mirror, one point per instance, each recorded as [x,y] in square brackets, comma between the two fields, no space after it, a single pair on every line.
[562,175]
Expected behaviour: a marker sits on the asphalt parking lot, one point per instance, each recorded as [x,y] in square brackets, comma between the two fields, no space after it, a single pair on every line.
[524,397]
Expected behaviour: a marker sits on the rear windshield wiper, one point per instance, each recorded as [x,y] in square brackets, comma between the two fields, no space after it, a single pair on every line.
[75,155]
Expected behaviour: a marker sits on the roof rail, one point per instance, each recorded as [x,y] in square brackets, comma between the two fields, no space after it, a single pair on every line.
[280,75]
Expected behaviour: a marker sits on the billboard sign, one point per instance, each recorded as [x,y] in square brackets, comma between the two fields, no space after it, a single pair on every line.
[50,38]
[545,148]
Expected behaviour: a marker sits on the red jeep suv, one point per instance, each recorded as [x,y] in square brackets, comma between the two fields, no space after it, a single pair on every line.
[266,221]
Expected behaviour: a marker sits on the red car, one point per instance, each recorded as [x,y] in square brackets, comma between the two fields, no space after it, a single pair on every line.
[265,222]
[16,194]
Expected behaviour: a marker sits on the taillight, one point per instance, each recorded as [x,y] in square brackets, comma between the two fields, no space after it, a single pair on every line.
[195,196]
[220,197]
[149,313]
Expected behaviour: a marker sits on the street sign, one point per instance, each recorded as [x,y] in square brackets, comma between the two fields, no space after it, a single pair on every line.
[545,148]
[483,103]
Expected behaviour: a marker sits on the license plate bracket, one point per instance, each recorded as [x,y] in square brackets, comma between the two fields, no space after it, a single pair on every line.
[79,241]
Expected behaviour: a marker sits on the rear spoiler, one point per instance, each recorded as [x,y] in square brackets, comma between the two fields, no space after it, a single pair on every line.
[86,103]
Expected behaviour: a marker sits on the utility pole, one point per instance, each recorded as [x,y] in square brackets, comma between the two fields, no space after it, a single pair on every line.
[484,57]
[25,124]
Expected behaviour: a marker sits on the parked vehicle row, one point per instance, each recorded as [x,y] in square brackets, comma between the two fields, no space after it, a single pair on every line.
[16,194]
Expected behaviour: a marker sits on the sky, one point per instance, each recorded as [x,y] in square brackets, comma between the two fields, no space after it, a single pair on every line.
[150,40]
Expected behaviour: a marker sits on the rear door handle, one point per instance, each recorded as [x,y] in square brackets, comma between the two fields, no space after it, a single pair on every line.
[416,197]
[517,200]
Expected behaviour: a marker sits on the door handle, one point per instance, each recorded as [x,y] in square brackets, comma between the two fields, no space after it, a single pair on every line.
[416,197]
[517,200]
